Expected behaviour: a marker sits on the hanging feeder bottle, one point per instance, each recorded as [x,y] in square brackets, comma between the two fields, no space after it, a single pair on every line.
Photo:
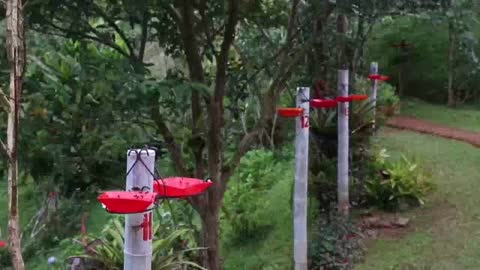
[290,112]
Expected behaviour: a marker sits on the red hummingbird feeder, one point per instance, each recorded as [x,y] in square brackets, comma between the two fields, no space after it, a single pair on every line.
[323,103]
[290,112]
[377,77]
[358,97]
[351,98]
[180,187]
[127,202]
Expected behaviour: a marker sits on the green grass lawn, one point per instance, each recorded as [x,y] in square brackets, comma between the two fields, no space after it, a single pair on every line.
[272,249]
[447,229]
[467,117]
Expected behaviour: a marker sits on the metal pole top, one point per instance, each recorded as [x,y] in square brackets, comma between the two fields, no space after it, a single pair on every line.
[141,152]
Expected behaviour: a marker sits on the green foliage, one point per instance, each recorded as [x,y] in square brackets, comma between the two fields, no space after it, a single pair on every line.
[430,42]
[335,245]
[79,101]
[170,247]
[397,184]
[323,171]
[247,198]
[387,99]
[272,248]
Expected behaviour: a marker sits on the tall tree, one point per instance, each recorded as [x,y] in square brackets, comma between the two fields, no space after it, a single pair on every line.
[16,57]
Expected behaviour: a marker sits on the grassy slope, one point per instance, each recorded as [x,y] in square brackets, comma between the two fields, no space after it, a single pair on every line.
[447,229]
[274,249]
[467,118]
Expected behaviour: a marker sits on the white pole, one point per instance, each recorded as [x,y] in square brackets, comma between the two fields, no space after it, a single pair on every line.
[343,144]
[301,180]
[373,93]
[138,227]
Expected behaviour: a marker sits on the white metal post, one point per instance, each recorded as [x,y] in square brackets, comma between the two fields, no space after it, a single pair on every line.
[138,227]
[373,93]
[301,181]
[343,144]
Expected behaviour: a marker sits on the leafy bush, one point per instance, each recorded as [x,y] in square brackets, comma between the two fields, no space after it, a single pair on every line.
[170,247]
[387,100]
[335,245]
[246,198]
[397,184]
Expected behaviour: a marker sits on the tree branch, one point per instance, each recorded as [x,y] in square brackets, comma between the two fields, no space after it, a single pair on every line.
[216,107]
[115,27]
[144,36]
[244,146]
[4,101]
[174,150]
[196,73]
[271,97]
[222,59]
[5,150]
[67,33]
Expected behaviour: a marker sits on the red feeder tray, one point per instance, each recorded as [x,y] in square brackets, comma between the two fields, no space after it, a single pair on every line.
[180,187]
[351,98]
[127,202]
[3,244]
[358,97]
[343,99]
[290,112]
[378,77]
[323,103]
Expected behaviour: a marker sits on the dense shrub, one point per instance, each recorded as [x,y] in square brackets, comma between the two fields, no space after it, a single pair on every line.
[387,100]
[397,184]
[247,197]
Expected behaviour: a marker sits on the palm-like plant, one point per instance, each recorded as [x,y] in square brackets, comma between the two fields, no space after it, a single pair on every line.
[169,253]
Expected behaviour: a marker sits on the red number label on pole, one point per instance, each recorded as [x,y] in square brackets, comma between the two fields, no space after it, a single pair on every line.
[304,121]
[147,227]
[346,112]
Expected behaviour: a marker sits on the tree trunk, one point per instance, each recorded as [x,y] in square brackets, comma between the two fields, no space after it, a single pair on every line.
[16,57]
[451,56]
[210,236]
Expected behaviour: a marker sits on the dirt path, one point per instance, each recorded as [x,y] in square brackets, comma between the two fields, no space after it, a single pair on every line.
[414,124]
